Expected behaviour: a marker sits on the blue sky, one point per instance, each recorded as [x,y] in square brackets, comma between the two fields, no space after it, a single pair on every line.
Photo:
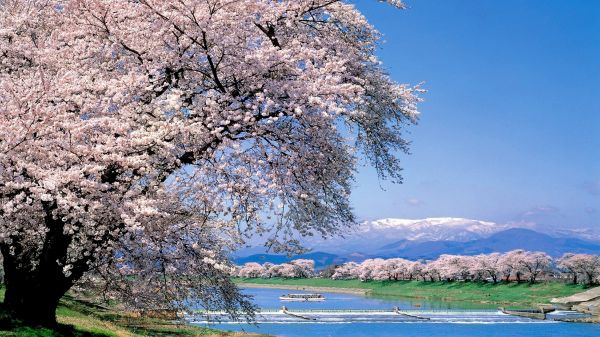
[510,126]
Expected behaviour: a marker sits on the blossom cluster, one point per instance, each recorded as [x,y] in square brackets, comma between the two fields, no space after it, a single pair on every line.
[293,269]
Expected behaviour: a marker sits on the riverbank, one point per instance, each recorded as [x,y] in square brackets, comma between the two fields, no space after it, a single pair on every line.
[512,294]
[80,318]
[354,291]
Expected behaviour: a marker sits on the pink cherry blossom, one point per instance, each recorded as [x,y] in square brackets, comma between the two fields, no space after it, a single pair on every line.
[154,136]
[583,268]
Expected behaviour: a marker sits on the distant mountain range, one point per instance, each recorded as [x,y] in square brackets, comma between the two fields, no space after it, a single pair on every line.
[416,247]
[514,238]
[369,236]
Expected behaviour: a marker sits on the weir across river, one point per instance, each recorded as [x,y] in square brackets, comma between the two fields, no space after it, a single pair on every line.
[394,315]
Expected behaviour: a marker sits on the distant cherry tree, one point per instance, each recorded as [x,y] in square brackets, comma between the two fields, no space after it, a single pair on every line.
[397,268]
[348,270]
[141,141]
[372,269]
[512,266]
[252,270]
[303,267]
[432,271]
[490,265]
[535,263]
[584,268]
[414,270]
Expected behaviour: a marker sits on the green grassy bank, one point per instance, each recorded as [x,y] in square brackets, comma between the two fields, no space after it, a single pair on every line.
[511,294]
[79,318]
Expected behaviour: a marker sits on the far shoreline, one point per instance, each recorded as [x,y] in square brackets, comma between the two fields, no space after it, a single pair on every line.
[354,291]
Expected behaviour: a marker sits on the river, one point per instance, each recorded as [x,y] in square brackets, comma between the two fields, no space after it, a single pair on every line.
[445,319]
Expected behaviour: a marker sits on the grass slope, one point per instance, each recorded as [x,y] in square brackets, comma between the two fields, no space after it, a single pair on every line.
[79,318]
[506,294]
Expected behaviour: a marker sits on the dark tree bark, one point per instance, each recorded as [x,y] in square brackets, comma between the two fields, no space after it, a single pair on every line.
[36,282]
[32,298]
[518,276]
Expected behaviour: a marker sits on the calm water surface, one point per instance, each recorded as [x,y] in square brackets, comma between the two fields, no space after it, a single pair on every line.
[452,326]
[269,298]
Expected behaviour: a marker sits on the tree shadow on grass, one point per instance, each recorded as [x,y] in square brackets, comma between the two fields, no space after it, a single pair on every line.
[13,327]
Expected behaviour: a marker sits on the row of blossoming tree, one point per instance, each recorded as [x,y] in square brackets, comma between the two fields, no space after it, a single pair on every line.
[513,266]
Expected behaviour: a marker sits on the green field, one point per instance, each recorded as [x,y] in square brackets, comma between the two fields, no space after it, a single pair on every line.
[79,318]
[511,294]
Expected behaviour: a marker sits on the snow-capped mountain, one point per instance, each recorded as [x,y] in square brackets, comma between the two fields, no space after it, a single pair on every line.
[432,229]
[371,235]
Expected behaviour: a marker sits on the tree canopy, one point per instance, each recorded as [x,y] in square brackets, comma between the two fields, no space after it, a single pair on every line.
[149,137]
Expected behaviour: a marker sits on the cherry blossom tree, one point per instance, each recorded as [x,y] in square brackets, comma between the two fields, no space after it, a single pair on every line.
[252,270]
[535,263]
[368,268]
[476,267]
[151,137]
[467,267]
[566,265]
[303,268]
[505,268]
[454,267]
[589,267]
[584,267]
[328,271]
[414,270]
[432,271]
[267,266]
[271,270]
[286,270]
[348,270]
[511,264]
[490,265]
[397,269]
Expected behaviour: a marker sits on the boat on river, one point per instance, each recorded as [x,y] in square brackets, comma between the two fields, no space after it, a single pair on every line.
[302,298]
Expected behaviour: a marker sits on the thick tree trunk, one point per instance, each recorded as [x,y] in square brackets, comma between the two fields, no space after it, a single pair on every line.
[32,295]
[32,302]
[36,282]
